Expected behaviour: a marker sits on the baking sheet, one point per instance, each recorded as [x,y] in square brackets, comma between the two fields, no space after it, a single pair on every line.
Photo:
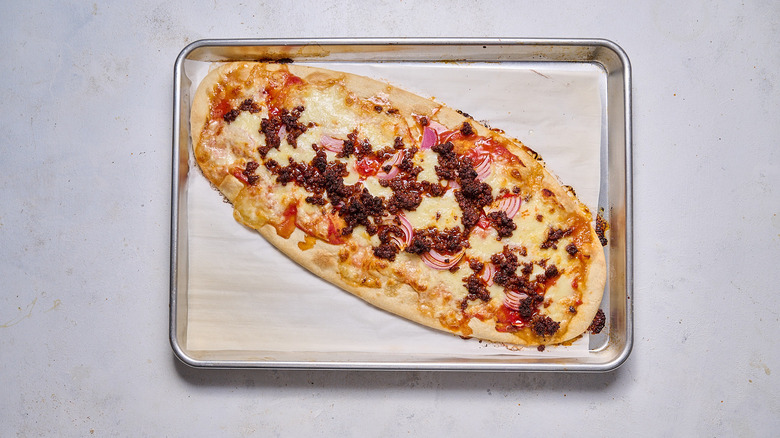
[244,295]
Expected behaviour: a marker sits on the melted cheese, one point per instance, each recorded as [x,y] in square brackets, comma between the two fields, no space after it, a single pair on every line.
[243,133]
[250,123]
[338,115]
[427,159]
[372,184]
[442,212]
[304,153]
[484,243]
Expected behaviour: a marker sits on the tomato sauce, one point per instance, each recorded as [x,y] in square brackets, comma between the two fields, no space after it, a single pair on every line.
[368,166]
[287,226]
[220,109]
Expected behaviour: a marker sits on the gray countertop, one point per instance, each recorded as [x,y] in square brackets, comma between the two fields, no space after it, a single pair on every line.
[85,210]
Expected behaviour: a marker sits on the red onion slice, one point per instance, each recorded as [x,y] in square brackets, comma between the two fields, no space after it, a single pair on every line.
[483,167]
[437,127]
[332,144]
[393,161]
[282,133]
[388,175]
[441,262]
[406,226]
[513,299]
[429,138]
[510,205]
[487,273]
[483,222]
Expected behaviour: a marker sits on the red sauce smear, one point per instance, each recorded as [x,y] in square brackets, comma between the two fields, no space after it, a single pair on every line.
[287,226]
[239,174]
[368,166]
[489,146]
[508,320]
[277,94]
[334,234]
[220,109]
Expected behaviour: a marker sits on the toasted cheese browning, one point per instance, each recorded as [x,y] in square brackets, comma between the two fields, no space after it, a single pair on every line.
[423,212]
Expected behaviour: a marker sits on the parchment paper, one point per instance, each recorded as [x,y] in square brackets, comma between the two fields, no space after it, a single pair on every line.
[246,296]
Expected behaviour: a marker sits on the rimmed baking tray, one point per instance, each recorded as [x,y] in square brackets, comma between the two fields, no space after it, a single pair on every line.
[456,59]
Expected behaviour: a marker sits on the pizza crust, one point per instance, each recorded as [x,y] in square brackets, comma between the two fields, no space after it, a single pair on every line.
[323,259]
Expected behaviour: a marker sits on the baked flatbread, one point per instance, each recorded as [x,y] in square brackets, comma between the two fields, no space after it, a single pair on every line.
[408,204]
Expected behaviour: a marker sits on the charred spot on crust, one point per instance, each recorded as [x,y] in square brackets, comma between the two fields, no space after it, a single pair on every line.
[601,228]
[464,114]
[598,323]
[276,60]
[466,130]
[532,153]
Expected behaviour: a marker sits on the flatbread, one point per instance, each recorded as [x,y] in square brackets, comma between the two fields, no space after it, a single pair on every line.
[556,286]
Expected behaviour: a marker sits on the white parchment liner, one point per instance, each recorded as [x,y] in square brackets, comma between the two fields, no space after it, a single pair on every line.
[246,296]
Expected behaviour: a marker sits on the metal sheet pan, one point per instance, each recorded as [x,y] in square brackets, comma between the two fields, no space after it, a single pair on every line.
[606,351]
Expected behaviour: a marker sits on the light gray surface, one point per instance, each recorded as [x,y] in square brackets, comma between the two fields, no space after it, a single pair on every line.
[84,211]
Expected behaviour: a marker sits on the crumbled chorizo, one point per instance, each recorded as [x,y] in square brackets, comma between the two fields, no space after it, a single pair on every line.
[544,326]
[503,224]
[231,115]
[599,321]
[249,105]
[466,129]
[386,251]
